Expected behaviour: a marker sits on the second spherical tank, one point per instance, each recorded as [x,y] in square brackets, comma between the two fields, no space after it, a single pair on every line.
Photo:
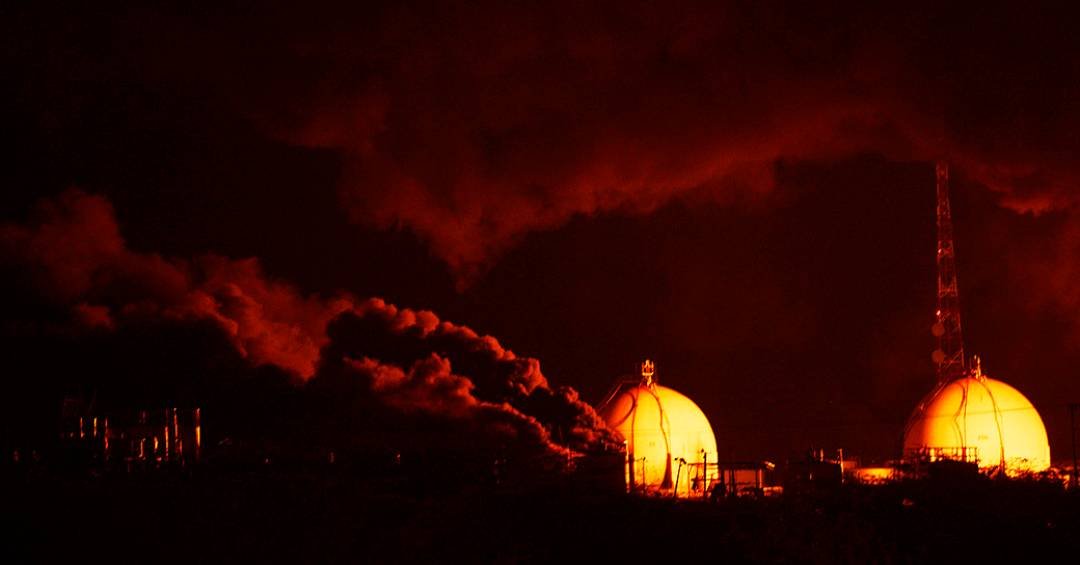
[982,413]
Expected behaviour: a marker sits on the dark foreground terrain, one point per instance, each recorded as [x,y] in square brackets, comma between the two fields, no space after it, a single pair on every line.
[313,517]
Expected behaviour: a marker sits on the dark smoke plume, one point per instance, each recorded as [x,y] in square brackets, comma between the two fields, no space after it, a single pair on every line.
[408,356]
[73,255]
[72,259]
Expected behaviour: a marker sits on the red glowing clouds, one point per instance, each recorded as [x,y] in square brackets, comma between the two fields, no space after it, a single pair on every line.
[74,255]
[475,126]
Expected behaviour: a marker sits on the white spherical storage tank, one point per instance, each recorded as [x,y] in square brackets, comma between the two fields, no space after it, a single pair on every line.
[982,413]
[670,445]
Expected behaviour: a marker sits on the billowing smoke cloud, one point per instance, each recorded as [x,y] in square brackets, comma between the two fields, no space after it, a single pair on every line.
[407,356]
[430,389]
[407,361]
[74,255]
[474,126]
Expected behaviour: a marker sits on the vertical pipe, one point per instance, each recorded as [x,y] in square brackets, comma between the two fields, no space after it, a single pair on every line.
[704,473]
[675,491]
[178,441]
[166,434]
[198,436]
[105,436]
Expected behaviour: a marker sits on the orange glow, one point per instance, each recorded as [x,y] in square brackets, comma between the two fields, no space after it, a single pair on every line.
[178,440]
[198,434]
[873,475]
[986,414]
[662,429]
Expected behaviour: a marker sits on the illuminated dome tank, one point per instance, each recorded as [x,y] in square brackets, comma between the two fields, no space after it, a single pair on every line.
[982,413]
[669,442]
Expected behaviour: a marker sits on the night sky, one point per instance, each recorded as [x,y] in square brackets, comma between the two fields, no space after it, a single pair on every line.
[743,193]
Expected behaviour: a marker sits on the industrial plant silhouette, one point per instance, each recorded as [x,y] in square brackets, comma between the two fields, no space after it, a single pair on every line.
[650,456]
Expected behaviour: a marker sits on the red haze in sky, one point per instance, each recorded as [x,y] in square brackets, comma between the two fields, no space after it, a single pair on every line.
[473,126]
